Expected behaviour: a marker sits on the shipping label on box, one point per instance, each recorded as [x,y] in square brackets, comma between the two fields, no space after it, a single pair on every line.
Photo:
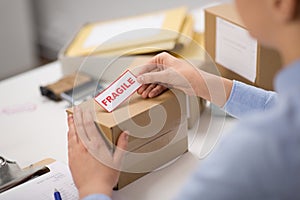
[236,49]
[118,91]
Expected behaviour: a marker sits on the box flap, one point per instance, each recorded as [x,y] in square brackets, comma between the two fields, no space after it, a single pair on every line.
[228,12]
[128,109]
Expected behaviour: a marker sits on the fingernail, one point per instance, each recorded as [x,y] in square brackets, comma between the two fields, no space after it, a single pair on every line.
[140,79]
[126,136]
[70,117]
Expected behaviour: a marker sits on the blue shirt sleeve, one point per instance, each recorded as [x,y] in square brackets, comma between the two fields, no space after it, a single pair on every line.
[245,99]
[97,197]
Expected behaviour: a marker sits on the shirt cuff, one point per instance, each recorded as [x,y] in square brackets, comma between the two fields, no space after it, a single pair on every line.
[245,99]
[229,106]
[97,197]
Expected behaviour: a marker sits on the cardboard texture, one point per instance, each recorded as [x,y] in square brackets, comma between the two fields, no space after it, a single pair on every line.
[154,155]
[158,131]
[139,117]
[268,61]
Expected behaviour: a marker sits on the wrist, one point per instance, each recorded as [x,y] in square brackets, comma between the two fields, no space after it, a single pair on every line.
[213,88]
[95,189]
[201,85]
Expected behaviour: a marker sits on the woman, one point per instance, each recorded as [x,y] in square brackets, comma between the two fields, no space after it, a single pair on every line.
[260,159]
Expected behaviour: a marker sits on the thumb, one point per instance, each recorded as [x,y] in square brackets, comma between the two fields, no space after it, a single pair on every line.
[121,148]
[153,77]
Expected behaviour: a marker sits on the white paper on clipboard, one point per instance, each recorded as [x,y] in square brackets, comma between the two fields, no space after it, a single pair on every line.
[42,187]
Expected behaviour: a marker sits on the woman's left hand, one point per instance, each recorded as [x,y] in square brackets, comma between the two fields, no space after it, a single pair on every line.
[91,175]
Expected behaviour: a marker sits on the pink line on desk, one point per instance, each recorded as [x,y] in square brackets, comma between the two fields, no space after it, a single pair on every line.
[14,109]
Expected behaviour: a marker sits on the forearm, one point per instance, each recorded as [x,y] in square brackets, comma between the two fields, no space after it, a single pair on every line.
[213,88]
[235,97]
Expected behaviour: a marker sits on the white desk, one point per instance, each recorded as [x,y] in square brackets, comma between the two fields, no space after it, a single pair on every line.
[34,128]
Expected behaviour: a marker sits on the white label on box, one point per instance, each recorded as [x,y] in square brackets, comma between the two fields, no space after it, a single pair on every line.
[118,91]
[236,49]
[106,31]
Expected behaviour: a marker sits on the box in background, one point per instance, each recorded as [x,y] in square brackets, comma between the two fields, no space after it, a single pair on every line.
[238,56]
[144,34]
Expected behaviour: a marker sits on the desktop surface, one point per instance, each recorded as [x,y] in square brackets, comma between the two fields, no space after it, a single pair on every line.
[35,128]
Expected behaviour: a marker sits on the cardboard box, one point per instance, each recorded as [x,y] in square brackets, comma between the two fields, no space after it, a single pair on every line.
[154,155]
[145,119]
[157,126]
[108,71]
[180,31]
[195,106]
[137,31]
[238,56]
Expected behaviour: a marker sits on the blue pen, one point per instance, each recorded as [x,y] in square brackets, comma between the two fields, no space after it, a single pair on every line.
[57,195]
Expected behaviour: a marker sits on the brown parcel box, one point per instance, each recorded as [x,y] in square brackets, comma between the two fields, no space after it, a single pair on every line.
[154,155]
[152,123]
[267,61]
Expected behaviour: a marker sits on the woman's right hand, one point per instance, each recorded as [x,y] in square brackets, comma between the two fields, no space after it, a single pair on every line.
[165,71]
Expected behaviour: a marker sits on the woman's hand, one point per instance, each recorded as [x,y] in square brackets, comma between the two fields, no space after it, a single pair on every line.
[165,71]
[92,175]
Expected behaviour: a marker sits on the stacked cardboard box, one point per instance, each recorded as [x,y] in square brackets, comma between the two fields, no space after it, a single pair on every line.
[158,131]
[106,62]
[238,56]
[144,34]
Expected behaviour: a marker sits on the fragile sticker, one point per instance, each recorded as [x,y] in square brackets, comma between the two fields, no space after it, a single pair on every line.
[118,91]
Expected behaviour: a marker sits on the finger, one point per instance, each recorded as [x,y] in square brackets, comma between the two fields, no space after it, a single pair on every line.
[74,143]
[90,128]
[145,69]
[71,132]
[148,90]
[79,125]
[96,145]
[121,148]
[142,89]
[162,58]
[155,64]
[157,91]
[154,77]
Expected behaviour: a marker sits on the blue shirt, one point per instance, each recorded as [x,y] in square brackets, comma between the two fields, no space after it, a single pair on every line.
[260,158]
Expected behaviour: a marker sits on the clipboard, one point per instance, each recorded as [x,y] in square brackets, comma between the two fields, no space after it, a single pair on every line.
[42,187]
[169,31]
[12,175]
